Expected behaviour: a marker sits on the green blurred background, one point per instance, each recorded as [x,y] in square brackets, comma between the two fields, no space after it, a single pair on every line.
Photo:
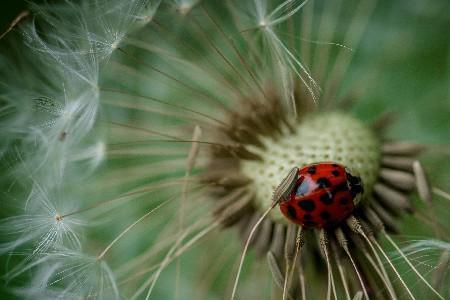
[407,50]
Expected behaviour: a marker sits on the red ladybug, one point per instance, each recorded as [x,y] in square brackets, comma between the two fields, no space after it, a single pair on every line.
[319,195]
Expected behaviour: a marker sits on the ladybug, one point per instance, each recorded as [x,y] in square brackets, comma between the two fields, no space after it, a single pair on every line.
[319,195]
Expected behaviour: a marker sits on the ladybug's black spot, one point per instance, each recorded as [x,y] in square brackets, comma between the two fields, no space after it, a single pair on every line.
[323,182]
[335,165]
[291,212]
[326,198]
[325,215]
[312,170]
[335,173]
[307,217]
[307,205]
[343,201]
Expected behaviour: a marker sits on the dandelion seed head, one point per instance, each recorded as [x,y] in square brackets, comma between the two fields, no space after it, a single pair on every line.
[325,137]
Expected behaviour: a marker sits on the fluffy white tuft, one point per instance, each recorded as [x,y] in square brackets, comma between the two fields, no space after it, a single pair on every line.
[51,97]
[67,274]
[40,227]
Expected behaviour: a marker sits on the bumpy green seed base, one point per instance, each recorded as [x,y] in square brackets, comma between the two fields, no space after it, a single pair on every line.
[321,137]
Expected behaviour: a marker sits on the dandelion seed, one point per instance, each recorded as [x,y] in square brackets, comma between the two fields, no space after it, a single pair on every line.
[40,226]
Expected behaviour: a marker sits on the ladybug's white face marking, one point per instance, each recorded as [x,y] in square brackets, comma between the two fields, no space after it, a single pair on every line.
[319,138]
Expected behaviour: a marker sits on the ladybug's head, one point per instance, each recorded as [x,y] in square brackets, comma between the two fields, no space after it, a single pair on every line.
[356,186]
